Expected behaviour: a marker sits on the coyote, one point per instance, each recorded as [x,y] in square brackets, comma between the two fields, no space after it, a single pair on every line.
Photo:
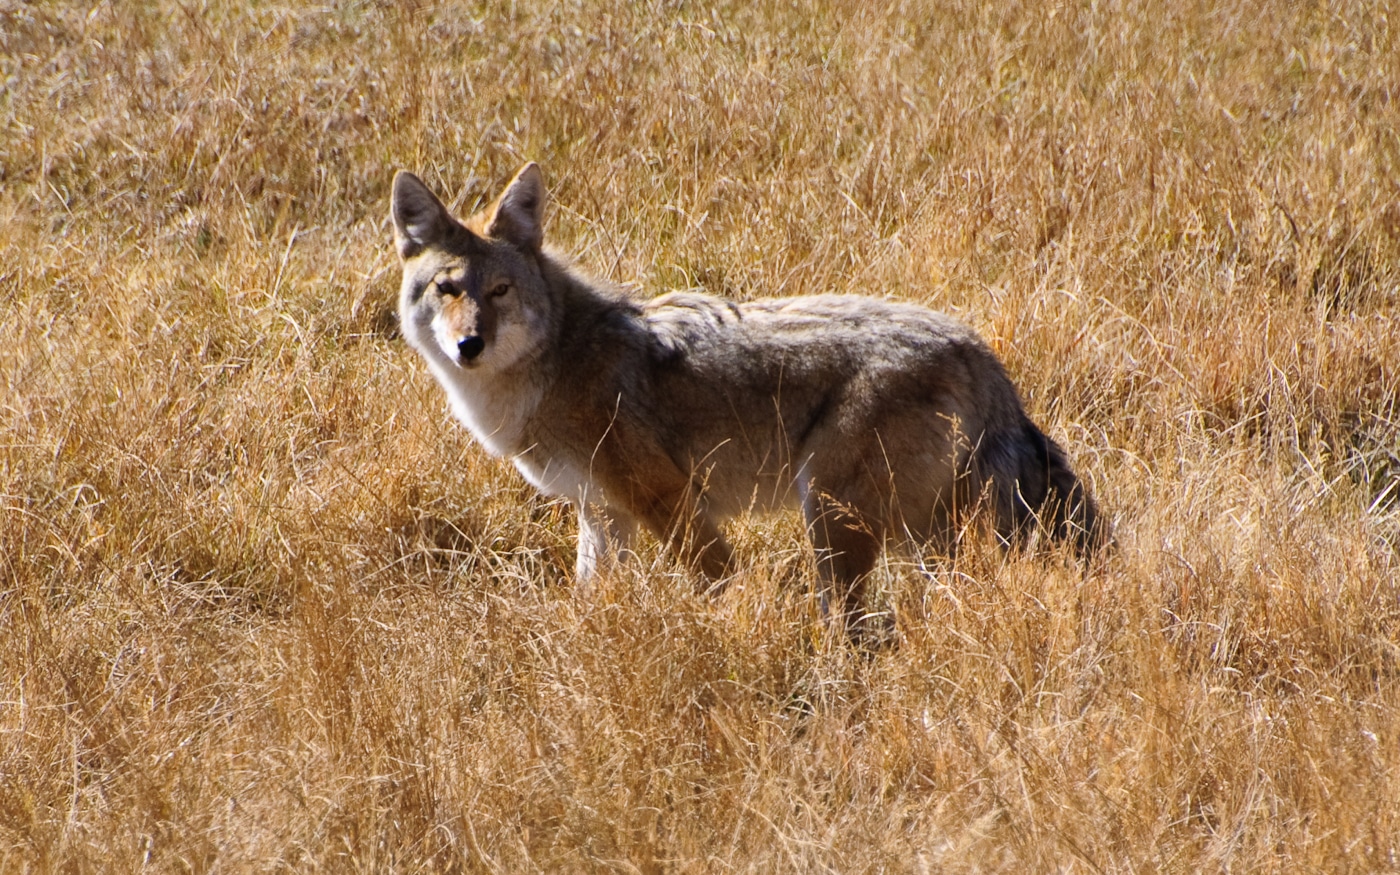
[883,421]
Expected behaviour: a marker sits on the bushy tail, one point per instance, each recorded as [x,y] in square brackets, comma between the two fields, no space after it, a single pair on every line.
[1034,488]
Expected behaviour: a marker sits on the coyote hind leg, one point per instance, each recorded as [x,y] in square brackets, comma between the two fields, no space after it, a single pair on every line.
[846,546]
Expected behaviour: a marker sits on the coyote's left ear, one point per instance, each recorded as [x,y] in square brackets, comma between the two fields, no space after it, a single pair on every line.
[518,214]
[420,219]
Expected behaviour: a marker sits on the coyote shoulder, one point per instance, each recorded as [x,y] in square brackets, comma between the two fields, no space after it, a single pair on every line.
[884,422]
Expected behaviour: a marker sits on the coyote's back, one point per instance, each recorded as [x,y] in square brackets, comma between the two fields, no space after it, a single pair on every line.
[881,421]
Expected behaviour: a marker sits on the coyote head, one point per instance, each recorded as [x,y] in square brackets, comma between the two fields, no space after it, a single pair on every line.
[473,296]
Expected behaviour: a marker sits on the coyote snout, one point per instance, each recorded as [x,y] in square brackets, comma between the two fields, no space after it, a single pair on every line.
[463,325]
[884,422]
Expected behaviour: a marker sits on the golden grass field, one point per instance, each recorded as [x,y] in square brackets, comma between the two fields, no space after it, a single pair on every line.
[263,606]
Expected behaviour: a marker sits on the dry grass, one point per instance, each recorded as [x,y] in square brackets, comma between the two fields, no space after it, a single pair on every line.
[263,606]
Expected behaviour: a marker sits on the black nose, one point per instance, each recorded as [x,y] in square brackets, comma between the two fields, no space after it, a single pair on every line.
[470,347]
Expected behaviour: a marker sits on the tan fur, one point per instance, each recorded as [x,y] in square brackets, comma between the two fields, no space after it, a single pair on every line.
[883,421]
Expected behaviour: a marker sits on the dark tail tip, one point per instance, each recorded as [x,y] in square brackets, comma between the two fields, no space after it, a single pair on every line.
[1037,490]
[1067,509]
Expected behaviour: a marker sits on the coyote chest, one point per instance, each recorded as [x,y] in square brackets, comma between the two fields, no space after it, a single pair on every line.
[496,416]
[499,416]
[556,477]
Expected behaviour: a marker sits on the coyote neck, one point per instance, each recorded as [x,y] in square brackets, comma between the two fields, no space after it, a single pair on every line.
[496,408]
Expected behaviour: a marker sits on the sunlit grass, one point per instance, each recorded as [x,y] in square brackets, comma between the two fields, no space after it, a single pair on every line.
[264,605]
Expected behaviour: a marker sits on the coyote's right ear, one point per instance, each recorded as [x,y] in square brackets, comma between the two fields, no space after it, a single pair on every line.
[420,219]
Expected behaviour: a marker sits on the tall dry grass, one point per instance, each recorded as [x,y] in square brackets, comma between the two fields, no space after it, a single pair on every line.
[264,607]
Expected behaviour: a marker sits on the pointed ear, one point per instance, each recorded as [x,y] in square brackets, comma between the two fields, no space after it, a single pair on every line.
[420,219]
[518,214]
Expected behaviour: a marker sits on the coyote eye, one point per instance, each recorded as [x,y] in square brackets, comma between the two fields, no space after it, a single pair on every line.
[449,289]
[498,290]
